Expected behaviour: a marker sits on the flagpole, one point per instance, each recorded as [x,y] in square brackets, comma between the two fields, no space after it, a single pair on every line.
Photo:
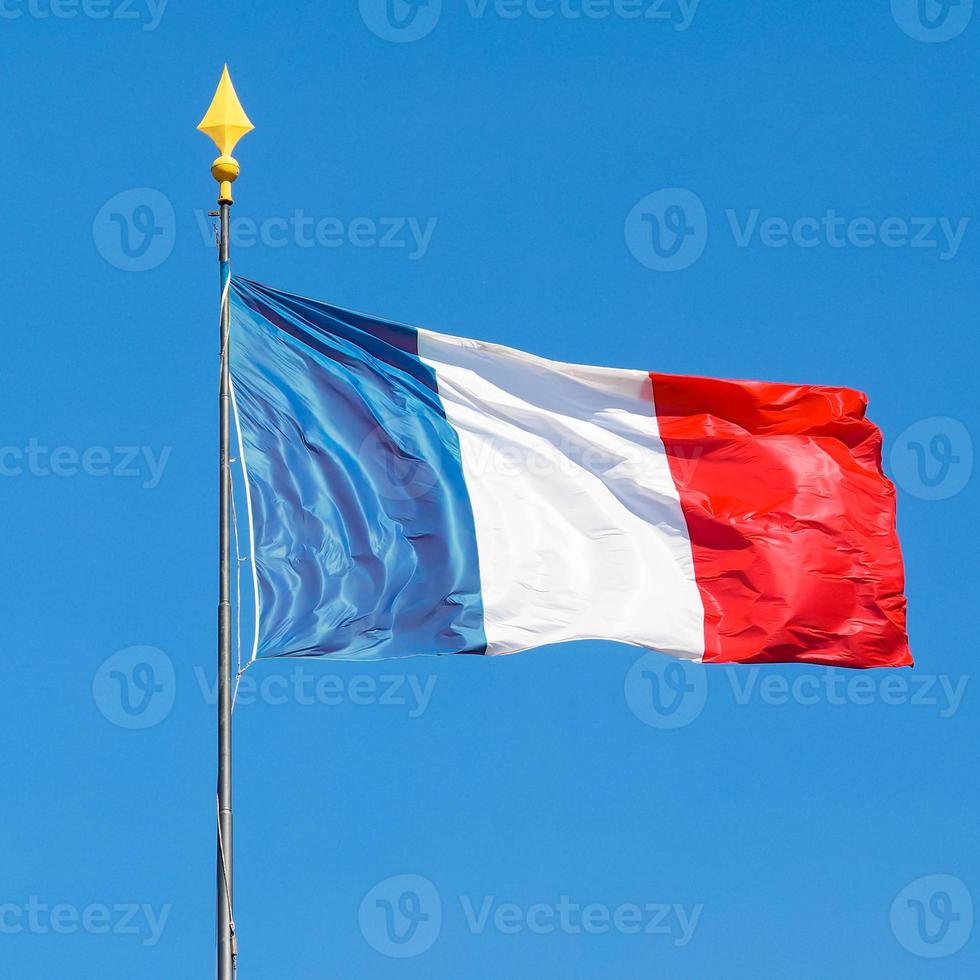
[225,872]
[225,122]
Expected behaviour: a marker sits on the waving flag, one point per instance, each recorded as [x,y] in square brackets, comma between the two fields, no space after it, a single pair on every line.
[418,493]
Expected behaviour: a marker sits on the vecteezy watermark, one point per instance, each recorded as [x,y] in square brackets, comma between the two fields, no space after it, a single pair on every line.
[148,13]
[408,465]
[667,693]
[401,21]
[664,692]
[932,21]
[571,918]
[135,230]
[668,231]
[403,916]
[414,235]
[303,686]
[121,462]
[64,919]
[832,230]
[933,458]
[678,13]
[135,687]
[933,916]
[838,687]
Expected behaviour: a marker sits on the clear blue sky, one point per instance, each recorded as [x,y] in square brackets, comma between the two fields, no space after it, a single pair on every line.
[777,828]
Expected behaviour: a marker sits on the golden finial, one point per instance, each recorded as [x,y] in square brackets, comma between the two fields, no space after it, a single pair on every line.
[226,123]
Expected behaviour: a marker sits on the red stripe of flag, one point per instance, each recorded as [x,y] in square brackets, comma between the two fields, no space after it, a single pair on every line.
[791,520]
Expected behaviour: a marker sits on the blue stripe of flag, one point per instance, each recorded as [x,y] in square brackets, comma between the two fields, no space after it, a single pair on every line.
[364,537]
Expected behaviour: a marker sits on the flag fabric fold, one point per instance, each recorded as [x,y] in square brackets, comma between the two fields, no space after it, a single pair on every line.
[418,493]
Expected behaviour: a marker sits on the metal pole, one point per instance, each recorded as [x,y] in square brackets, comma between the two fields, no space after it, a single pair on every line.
[226,928]
[225,123]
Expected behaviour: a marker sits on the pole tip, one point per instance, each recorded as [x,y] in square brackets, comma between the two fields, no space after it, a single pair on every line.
[225,123]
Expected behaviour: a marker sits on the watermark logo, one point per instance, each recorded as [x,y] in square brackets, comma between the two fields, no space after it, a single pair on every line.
[38,918]
[941,693]
[667,693]
[410,20]
[667,230]
[943,234]
[932,21]
[664,692]
[402,465]
[410,693]
[671,919]
[135,231]
[400,21]
[135,687]
[401,916]
[678,13]
[410,235]
[149,13]
[121,462]
[404,461]
[933,459]
[933,916]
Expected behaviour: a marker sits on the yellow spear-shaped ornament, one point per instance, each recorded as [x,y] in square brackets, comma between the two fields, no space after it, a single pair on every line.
[226,123]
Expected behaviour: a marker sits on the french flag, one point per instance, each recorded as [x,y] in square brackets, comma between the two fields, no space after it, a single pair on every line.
[411,492]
